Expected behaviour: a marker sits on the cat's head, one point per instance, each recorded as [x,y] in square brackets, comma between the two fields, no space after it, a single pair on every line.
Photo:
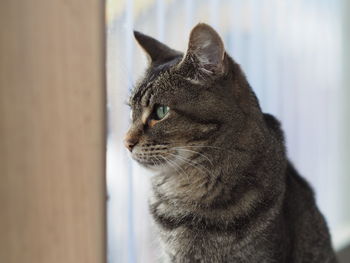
[187,106]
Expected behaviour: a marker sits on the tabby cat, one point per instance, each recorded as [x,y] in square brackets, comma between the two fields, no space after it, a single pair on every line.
[223,189]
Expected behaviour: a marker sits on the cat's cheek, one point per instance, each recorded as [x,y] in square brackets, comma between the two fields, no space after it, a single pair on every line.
[205,132]
[209,128]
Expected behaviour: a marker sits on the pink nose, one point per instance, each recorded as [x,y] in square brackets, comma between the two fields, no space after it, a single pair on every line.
[130,142]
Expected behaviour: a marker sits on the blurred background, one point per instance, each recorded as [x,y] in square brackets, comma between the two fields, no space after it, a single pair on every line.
[295,54]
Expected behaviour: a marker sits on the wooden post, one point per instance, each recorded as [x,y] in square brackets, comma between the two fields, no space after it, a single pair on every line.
[52,131]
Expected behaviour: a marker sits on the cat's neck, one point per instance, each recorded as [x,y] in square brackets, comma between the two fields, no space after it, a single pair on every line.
[224,179]
[240,181]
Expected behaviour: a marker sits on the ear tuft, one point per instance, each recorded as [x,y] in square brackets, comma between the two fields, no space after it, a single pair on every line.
[157,52]
[206,45]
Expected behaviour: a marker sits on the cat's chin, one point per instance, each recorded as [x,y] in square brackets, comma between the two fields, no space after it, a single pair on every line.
[149,166]
[155,168]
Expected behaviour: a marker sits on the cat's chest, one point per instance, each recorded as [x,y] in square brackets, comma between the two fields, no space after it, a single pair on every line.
[184,245]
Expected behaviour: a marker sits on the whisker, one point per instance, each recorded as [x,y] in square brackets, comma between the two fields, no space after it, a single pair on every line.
[191,162]
[206,157]
[160,162]
[173,164]
[214,147]
[167,161]
[194,164]
[188,179]
[153,162]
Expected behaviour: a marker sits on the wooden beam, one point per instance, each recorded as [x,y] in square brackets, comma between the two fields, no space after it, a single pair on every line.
[52,131]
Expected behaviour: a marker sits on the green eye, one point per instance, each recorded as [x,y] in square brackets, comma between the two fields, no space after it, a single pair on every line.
[161,111]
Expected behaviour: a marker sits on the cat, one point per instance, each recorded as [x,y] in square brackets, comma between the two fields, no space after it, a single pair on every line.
[223,189]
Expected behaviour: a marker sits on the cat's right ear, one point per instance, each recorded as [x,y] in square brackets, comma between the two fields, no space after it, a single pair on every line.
[205,53]
[156,51]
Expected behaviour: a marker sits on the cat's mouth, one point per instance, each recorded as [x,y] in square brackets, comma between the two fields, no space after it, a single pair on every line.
[163,159]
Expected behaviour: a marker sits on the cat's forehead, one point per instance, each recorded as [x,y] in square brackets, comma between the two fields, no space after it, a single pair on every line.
[153,83]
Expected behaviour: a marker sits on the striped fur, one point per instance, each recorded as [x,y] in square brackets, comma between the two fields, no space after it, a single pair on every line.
[223,189]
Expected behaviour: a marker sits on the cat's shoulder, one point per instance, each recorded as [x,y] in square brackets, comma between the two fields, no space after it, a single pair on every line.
[274,125]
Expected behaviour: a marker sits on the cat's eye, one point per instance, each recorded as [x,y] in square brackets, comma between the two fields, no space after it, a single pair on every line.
[160,112]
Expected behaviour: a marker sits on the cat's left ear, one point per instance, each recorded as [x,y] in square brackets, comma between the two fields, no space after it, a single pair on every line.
[156,51]
[205,51]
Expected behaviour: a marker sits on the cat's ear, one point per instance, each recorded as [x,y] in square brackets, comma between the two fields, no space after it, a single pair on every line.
[206,50]
[156,51]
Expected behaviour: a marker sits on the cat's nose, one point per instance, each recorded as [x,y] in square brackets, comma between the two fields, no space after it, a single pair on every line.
[130,142]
